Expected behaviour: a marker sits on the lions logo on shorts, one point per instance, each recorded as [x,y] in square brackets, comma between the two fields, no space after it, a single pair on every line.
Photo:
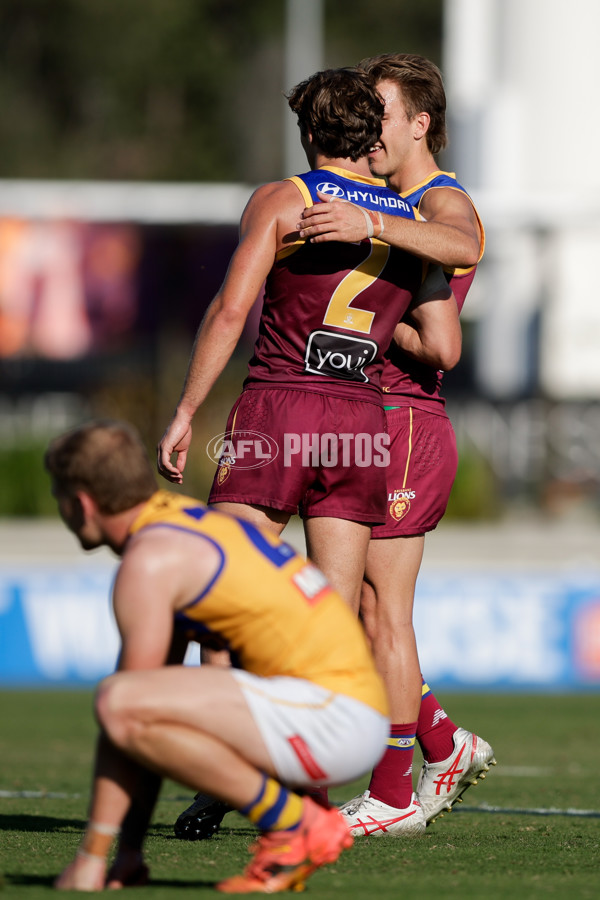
[224,469]
[399,508]
[400,503]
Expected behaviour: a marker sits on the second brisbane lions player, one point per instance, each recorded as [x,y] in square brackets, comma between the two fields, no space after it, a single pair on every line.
[422,450]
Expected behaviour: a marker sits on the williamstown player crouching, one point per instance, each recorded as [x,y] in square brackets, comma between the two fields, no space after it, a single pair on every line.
[251,736]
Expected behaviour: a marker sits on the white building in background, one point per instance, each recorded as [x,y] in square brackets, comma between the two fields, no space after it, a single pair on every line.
[522,78]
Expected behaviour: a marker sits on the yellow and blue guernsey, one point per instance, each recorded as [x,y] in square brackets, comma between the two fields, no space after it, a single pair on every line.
[274,611]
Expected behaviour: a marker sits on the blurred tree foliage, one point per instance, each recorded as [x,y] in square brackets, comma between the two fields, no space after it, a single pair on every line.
[174,90]
[169,89]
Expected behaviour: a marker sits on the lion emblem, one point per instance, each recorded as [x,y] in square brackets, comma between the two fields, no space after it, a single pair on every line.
[223,473]
[399,508]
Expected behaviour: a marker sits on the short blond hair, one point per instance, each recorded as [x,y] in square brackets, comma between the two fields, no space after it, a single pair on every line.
[107,460]
[422,87]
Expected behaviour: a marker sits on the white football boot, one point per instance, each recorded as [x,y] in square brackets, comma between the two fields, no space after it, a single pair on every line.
[366,816]
[350,806]
[442,784]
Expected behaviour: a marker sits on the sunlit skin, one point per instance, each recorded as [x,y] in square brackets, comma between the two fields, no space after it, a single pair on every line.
[450,236]
[396,146]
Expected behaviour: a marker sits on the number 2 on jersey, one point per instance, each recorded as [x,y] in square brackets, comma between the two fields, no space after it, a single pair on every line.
[339,312]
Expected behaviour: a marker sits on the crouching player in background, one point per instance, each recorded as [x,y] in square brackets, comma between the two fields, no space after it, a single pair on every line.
[252,736]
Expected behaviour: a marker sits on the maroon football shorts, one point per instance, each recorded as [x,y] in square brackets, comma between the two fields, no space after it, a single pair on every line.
[304,452]
[423,461]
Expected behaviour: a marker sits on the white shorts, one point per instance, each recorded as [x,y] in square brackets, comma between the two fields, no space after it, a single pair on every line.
[314,737]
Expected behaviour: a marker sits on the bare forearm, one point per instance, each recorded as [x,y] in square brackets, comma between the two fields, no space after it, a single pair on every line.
[116,778]
[224,322]
[440,349]
[450,235]
[433,241]
[409,340]
[114,808]
[137,820]
[215,342]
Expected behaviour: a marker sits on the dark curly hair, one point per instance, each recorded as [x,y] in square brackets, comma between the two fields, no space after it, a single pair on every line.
[341,109]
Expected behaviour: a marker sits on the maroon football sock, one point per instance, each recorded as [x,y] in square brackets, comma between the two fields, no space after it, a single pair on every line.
[319,794]
[391,781]
[434,728]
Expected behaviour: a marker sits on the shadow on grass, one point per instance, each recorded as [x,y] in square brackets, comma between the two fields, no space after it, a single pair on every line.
[165,830]
[31,880]
[39,823]
[48,881]
[33,823]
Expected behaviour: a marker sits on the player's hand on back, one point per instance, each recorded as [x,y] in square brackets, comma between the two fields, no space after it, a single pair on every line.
[332,220]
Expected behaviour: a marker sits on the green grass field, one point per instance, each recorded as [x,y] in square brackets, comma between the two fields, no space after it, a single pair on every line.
[500,843]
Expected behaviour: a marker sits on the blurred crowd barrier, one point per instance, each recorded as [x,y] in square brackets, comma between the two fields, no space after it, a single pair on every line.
[487,626]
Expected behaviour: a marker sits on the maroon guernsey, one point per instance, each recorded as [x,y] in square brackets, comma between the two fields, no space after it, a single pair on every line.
[329,310]
[405,381]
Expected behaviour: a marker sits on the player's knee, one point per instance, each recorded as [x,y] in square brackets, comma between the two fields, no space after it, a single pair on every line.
[113,709]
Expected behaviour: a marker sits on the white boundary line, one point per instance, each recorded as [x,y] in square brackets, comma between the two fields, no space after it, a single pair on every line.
[37,795]
[484,808]
[534,811]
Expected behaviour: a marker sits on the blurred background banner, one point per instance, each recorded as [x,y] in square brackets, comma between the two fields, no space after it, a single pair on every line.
[132,137]
[509,630]
[492,630]
[55,627]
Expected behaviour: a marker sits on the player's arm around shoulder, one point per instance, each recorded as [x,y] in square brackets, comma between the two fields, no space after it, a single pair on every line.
[447,231]
[333,219]
[450,216]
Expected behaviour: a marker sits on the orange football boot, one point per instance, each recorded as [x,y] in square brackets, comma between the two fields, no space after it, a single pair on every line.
[283,860]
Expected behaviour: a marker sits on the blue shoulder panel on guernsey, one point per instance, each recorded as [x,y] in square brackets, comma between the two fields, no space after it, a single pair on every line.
[441,179]
[362,192]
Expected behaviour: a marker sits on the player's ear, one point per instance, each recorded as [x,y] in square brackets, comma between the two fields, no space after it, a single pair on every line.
[87,504]
[421,125]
